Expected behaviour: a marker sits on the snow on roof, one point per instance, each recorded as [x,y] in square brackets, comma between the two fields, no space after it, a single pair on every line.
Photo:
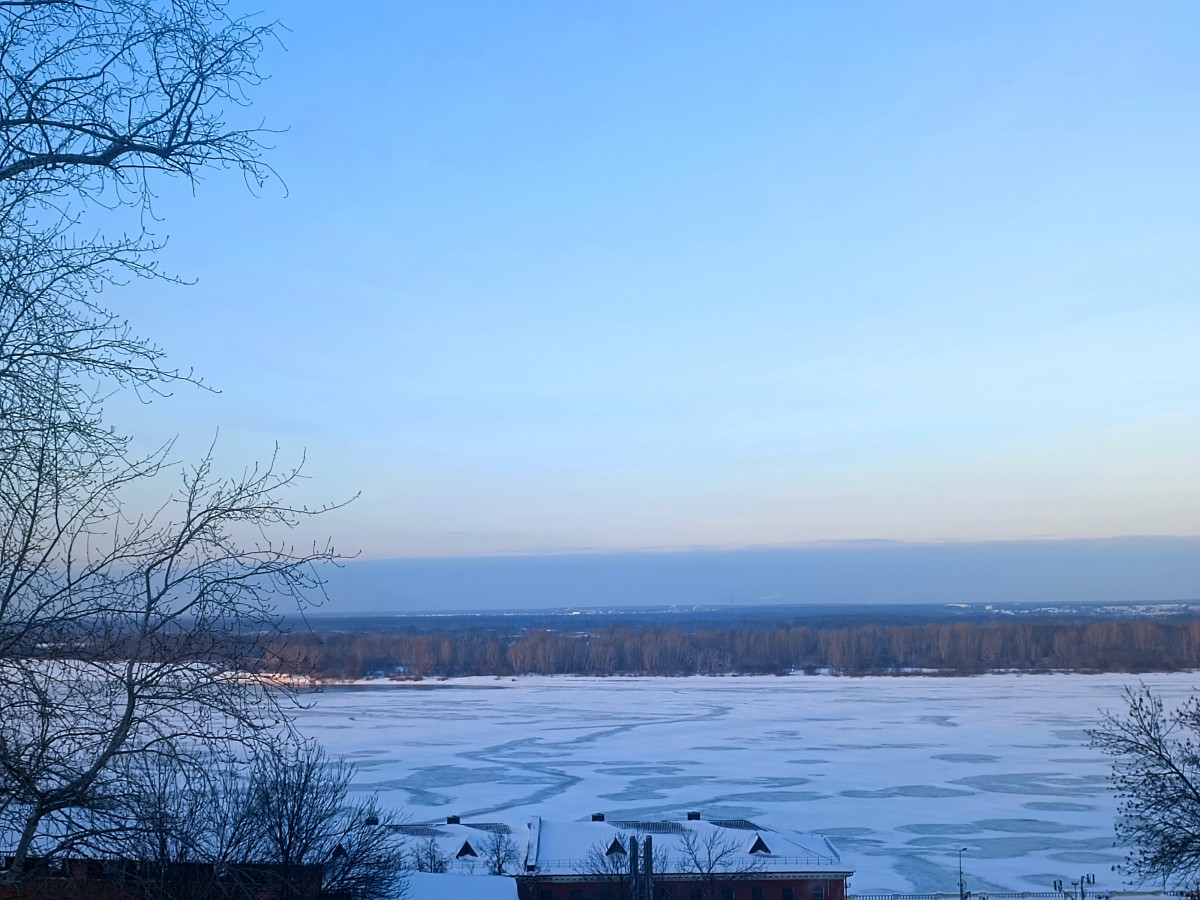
[437,829]
[562,847]
[425,886]
[463,848]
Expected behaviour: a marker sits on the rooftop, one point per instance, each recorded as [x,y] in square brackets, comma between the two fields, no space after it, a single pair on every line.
[574,847]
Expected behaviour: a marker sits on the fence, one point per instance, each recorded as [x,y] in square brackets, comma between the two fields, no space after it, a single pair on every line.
[763,863]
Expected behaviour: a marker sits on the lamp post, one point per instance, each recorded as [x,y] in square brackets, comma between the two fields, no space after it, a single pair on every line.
[1081,884]
[962,895]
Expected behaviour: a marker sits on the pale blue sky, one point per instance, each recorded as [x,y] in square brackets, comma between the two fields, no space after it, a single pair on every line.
[617,276]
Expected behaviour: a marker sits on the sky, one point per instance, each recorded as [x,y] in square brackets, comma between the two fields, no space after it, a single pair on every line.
[626,277]
[1118,571]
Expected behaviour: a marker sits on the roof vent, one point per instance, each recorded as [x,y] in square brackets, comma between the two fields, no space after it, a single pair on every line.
[759,845]
[452,820]
[615,849]
[597,817]
[693,817]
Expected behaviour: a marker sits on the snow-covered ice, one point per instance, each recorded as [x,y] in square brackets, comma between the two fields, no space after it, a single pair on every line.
[899,772]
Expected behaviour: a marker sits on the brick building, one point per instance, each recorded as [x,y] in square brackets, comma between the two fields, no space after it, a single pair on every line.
[117,879]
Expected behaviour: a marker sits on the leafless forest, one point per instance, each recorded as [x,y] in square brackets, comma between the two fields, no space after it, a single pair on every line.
[959,648]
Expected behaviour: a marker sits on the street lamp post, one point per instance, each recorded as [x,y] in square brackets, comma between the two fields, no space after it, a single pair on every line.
[1081,885]
[962,895]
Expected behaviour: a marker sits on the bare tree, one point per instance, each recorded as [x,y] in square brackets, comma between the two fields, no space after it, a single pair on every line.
[428,857]
[287,830]
[124,638]
[499,852]
[301,815]
[97,94]
[95,98]
[1156,776]
[608,864]
[716,861]
[185,833]
[139,646]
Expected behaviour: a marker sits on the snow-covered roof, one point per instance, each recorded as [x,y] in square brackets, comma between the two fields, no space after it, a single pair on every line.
[464,848]
[426,886]
[562,848]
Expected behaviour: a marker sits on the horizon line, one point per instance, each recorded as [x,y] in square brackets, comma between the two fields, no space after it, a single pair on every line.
[824,544]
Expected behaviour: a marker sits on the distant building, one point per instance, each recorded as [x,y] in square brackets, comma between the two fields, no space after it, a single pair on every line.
[119,879]
[694,859]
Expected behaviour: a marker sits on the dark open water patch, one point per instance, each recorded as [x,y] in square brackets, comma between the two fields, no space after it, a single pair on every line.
[1015,846]
[640,770]
[1025,826]
[775,797]
[942,721]
[1039,784]
[924,874]
[940,828]
[654,788]
[1083,857]
[966,757]
[847,832]
[1059,806]
[907,790]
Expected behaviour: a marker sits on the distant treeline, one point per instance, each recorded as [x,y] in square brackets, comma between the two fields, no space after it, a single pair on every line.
[961,648]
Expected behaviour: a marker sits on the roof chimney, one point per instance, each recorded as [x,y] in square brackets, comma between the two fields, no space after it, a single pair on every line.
[597,817]
[452,820]
[693,817]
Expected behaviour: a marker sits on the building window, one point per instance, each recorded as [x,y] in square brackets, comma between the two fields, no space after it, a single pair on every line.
[727,893]
[789,894]
[544,894]
[756,893]
[576,894]
[819,892]
[697,894]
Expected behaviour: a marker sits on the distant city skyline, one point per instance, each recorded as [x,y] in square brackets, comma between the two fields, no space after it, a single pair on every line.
[636,277]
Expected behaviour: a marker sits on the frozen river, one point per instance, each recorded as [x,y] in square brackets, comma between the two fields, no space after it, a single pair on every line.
[899,772]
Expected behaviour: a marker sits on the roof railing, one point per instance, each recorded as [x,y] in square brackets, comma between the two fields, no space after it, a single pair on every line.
[768,863]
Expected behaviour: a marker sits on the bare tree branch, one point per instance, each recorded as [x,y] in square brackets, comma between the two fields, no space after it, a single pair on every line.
[128,641]
[1156,776]
[716,861]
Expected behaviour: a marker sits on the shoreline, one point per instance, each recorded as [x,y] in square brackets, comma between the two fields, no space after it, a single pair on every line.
[517,680]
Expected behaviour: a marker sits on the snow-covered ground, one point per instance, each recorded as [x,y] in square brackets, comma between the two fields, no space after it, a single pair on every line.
[424,886]
[899,772]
